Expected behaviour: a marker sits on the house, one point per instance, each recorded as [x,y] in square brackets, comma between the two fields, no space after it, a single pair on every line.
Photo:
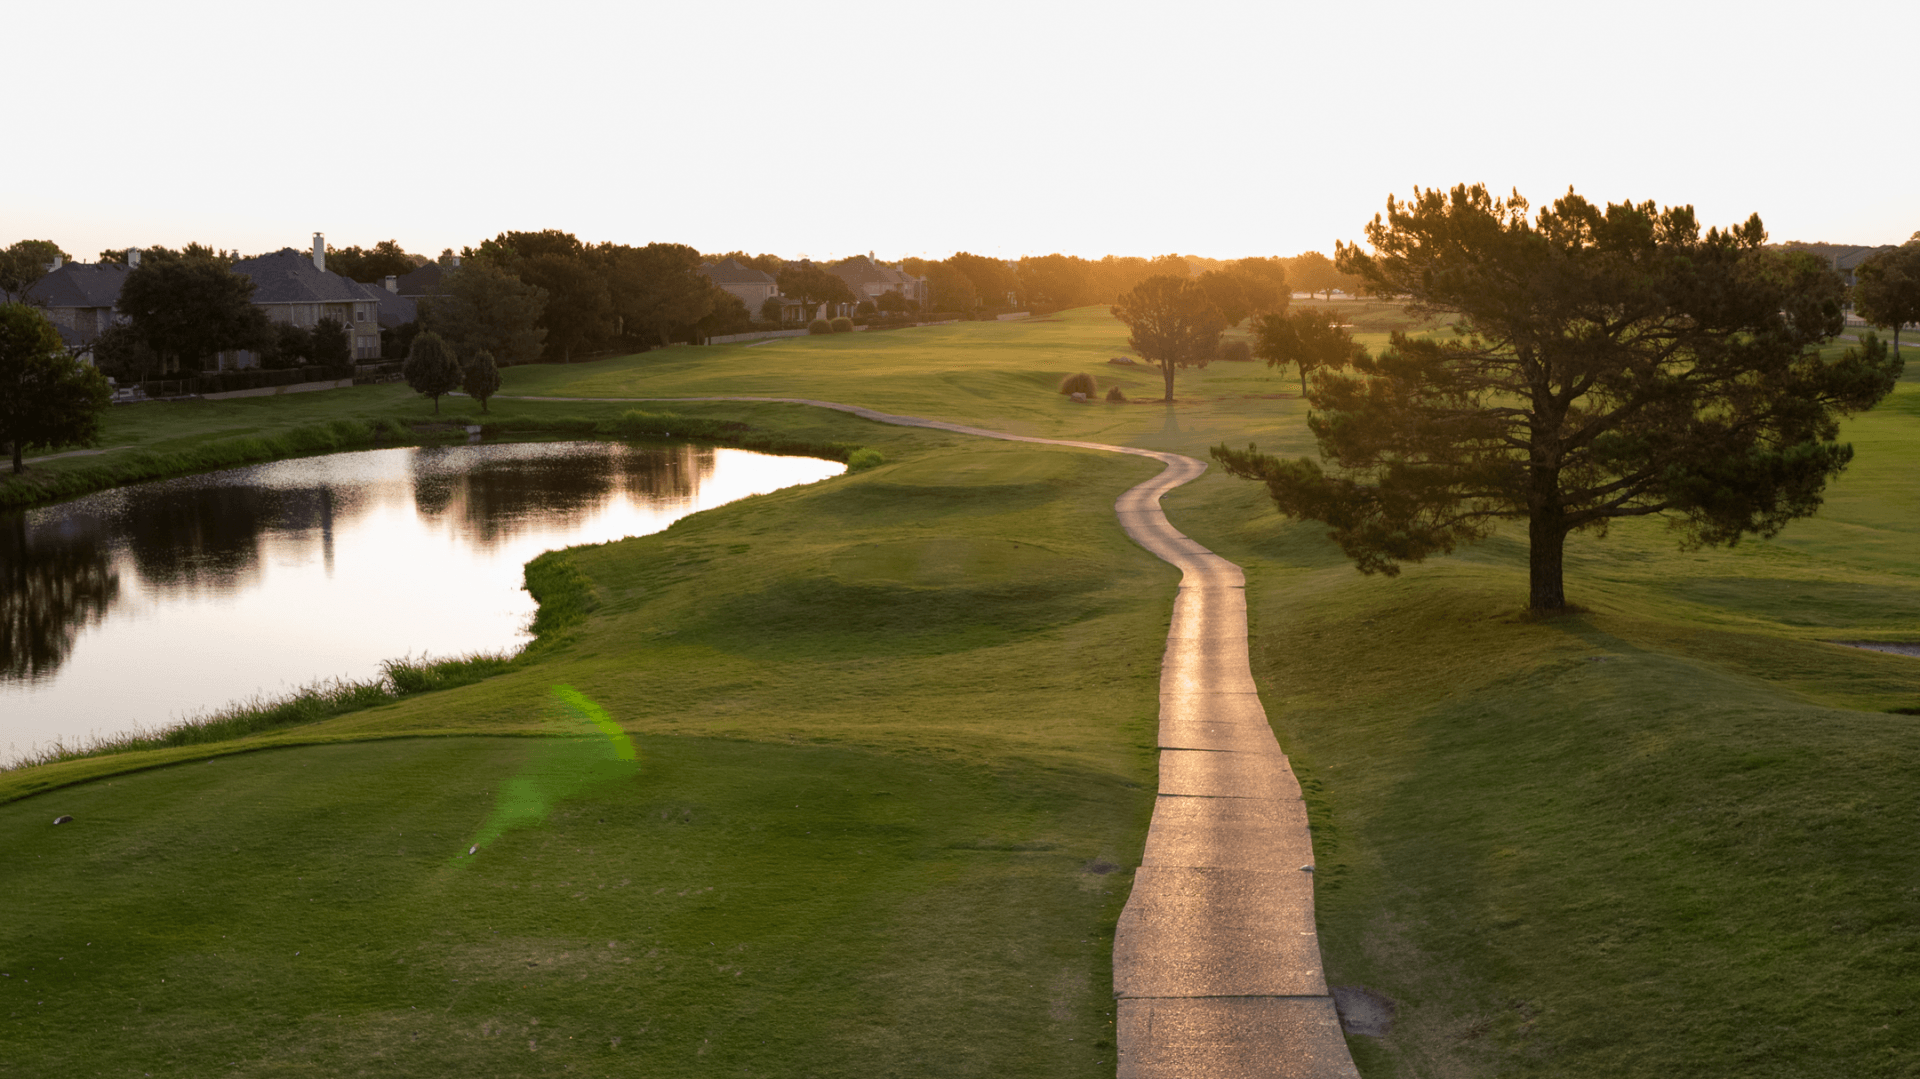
[79,298]
[423,281]
[395,309]
[753,287]
[298,290]
[870,280]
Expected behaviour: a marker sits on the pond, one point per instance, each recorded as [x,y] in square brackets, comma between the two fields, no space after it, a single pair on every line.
[151,603]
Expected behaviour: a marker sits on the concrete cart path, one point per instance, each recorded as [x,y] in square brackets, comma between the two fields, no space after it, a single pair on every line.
[1216,961]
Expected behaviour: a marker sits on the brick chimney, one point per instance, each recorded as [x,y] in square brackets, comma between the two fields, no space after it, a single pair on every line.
[393,283]
[56,264]
[133,258]
[320,252]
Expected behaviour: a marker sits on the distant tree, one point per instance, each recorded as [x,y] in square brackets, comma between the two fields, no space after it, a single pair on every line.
[770,311]
[950,289]
[1886,289]
[332,346]
[992,279]
[190,305]
[22,264]
[47,398]
[1315,273]
[1271,270]
[432,368]
[1310,338]
[1171,324]
[766,264]
[121,353]
[480,306]
[812,285]
[480,380]
[891,301]
[114,256]
[1054,279]
[1228,293]
[658,290]
[729,315]
[1169,265]
[384,259]
[1610,363]
[285,346]
[579,311]
[397,341]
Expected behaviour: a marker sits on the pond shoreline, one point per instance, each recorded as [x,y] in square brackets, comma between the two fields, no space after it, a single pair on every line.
[37,489]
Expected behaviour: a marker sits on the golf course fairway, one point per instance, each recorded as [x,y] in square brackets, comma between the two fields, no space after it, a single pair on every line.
[893,759]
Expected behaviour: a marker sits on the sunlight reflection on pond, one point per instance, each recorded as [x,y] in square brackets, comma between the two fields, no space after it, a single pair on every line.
[147,603]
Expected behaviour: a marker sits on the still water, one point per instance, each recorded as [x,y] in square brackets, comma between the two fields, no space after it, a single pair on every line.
[150,603]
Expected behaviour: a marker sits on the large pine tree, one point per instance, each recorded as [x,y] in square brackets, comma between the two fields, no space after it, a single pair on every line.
[1605,363]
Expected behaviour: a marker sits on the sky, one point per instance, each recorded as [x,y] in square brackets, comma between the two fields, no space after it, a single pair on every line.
[828,129]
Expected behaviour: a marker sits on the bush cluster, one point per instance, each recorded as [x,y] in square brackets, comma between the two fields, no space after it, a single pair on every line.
[842,324]
[1236,351]
[1079,383]
[819,325]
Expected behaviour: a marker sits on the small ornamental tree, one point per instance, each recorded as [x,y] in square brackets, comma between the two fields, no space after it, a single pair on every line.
[1308,337]
[771,309]
[47,398]
[1887,289]
[1606,363]
[1173,324]
[432,368]
[482,378]
[332,346]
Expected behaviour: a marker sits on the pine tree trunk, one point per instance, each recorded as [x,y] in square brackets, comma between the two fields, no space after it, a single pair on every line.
[436,404]
[1546,547]
[19,465]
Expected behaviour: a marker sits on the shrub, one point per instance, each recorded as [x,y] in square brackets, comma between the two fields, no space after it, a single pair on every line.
[1114,395]
[842,325]
[864,458]
[819,325]
[1236,351]
[864,307]
[1079,383]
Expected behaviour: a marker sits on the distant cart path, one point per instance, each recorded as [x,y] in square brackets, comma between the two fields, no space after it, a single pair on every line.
[1216,962]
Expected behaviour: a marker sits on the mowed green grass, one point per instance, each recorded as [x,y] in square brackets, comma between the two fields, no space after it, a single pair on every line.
[1671,835]
[895,746]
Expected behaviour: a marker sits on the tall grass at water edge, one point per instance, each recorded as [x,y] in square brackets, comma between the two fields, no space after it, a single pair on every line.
[311,703]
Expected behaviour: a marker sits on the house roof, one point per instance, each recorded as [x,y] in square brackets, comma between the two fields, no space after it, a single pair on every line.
[424,281]
[395,309]
[80,284]
[732,272]
[289,276]
[861,270]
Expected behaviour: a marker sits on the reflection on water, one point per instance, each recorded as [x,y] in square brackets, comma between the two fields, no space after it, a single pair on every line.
[139,605]
[46,596]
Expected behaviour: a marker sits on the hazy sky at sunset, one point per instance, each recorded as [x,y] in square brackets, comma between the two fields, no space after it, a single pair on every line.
[1220,129]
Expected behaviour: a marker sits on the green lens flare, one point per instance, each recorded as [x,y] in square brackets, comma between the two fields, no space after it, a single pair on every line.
[580,704]
[559,769]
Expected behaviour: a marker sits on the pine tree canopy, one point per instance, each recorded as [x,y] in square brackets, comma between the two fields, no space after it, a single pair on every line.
[1602,363]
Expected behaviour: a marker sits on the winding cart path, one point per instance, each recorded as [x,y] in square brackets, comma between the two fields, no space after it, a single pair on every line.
[1216,961]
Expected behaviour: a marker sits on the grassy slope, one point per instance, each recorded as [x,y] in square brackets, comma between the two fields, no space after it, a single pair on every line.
[1672,836]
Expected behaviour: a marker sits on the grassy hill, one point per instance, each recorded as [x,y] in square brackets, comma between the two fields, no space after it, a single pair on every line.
[894,732]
